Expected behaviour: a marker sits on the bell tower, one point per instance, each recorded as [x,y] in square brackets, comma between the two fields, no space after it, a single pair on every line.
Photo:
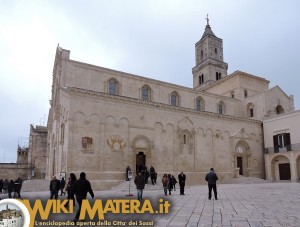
[210,66]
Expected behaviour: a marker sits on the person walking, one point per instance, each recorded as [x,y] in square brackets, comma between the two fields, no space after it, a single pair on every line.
[1,186]
[211,179]
[81,187]
[181,179]
[54,187]
[174,182]
[62,186]
[139,181]
[5,186]
[146,175]
[164,182]
[170,183]
[10,188]
[70,188]
[18,187]
[152,175]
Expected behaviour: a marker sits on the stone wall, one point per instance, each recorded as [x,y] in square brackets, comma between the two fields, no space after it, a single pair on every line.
[12,171]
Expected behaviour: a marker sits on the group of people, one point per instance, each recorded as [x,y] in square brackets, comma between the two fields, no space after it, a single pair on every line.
[145,173]
[74,188]
[11,187]
[169,183]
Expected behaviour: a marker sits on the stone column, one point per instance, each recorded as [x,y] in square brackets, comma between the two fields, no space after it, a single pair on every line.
[293,167]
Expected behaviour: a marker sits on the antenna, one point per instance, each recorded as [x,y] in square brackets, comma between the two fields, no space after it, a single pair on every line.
[44,119]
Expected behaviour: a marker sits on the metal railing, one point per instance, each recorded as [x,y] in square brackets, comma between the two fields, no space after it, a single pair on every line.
[278,149]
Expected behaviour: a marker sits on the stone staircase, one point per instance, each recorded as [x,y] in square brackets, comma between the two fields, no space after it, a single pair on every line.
[247,180]
[35,185]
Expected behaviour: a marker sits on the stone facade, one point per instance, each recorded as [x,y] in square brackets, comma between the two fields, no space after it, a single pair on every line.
[282,146]
[12,171]
[102,120]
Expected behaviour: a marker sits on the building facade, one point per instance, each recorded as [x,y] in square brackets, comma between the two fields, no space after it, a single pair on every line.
[102,120]
[282,147]
[31,158]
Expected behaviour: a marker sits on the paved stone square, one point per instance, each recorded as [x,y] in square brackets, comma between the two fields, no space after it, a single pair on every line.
[263,204]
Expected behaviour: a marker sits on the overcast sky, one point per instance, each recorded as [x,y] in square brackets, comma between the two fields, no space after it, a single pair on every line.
[154,39]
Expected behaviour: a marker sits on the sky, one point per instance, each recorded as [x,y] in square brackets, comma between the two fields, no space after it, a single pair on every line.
[150,38]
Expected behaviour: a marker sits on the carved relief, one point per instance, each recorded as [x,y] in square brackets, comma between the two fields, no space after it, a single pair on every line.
[116,143]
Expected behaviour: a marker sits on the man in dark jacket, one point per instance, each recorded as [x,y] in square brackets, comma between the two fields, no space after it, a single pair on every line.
[62,186]
[181,179]
[81,187]
[18,187]
[54,187]
[211,179]
[139,181]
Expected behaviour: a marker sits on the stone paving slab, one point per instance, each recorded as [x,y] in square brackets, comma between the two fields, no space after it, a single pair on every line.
[260,205]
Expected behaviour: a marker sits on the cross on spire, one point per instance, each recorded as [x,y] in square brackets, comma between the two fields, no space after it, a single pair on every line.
[207,20]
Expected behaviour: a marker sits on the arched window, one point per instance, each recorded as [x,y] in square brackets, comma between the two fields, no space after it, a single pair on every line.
[184,139]
[174,99]
[232,94]
[62,132]
[201,54]
[216,50]
[218,76]
[199,104]
[245,93]
[113,87]
[146,93]
[221,107]
[201,79]
[250,110]
[279,109]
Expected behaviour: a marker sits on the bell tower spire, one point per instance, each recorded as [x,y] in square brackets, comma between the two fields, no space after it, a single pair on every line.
[210,65]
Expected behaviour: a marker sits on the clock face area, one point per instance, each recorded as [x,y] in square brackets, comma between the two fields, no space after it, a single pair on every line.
[239,149]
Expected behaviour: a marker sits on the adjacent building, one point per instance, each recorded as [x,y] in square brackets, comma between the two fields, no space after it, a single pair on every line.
[282,146]
[31,158]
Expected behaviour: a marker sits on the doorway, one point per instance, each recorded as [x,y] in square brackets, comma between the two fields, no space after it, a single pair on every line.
[140,161]
[284,171]
[240,164]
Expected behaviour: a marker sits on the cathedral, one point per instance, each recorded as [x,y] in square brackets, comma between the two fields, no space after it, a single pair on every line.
[102,120]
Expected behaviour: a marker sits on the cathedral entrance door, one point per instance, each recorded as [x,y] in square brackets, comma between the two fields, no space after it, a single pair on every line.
[240,164]
[140,161]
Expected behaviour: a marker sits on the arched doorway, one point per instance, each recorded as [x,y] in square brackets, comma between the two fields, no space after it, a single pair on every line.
[280,168]
[242,158]
[140,161]
[141,147]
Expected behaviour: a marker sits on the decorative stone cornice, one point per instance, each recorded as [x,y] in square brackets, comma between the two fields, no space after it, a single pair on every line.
[210,61]
[124,99]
